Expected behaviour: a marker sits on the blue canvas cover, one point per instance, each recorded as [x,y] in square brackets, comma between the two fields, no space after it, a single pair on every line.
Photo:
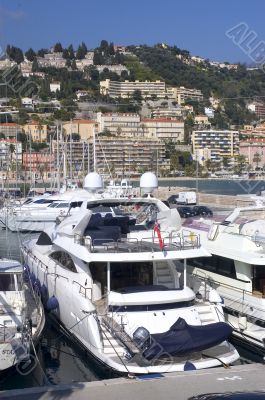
[183,338]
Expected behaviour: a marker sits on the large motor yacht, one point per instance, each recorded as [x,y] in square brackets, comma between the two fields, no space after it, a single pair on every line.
[119,286]
[38,213]
[21,316]
[237,267]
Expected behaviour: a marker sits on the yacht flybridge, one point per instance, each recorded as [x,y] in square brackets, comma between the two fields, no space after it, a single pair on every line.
[117,283]
[237,267]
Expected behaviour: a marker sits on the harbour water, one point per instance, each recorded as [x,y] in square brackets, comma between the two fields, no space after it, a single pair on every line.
[218,186]
[60,360]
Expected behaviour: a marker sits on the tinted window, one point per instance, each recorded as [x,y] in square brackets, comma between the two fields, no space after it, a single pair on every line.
[64,259]
[7,282]
[219,265]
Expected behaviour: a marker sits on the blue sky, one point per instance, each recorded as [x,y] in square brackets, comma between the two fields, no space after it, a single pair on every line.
[198,26]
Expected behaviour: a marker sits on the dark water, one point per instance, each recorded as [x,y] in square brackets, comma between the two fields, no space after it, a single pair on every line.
[60,360]
[219,186]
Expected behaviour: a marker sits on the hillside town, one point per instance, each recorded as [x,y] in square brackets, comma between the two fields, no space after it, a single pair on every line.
[106,107]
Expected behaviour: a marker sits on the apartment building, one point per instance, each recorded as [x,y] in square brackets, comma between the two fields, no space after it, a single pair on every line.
[258,109]
[10,129]
[252,147]
[85,62]
[83,127]
[120,124]
[54,86]
[127,156]
[39,165]
[167,112]
[77,155]
[221,143]
[117,68]
[181,94]
[36,131]
[126,89]
[52,60]
[166,129]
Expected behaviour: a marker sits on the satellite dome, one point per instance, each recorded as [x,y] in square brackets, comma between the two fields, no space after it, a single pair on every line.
[93,182]
[148,182]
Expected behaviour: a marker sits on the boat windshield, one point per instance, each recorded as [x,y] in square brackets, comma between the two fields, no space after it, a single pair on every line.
[8,282]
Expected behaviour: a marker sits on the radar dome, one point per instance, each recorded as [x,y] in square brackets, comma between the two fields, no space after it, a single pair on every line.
[148,182]
[93,182]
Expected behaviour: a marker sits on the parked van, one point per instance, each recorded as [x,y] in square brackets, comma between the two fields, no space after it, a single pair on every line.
[186,198]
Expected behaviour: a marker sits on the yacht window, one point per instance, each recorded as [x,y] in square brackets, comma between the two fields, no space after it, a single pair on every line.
[219,265]
[98,272]
[76,204]
[52,205]
[7,282]
[259,278]
[101,209]
[42,201]
[63,205]
[64,259]
[130,274]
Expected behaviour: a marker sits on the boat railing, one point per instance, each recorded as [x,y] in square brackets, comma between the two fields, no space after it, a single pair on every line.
[209,280]
[84,291]
[174,241]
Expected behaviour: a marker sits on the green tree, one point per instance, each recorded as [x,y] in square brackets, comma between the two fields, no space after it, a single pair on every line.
[137,96]
[30,54]
[81,51]
[35,65]
[71,52]
[58,48]
[256,159]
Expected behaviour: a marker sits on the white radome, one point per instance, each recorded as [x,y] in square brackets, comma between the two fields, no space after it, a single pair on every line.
[93,182]
[148,182]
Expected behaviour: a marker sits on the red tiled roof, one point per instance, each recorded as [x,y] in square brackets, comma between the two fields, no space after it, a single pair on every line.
[8,124]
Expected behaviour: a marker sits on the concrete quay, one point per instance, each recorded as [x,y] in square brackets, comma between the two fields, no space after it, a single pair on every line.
[177,386]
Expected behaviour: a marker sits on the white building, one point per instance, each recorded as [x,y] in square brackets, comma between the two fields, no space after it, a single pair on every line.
[120,124]
[117,68]
[55,86]
[182,94]
[126,89]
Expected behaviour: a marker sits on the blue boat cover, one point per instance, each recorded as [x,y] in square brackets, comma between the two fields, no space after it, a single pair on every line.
[183,338]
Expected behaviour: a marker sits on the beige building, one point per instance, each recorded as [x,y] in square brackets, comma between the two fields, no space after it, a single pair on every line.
[10,129]
[131,125]
[181,94]
[164,128]
[36,131]
[83,127]
[201,120]
[127,88]
[120,124]
[127,156]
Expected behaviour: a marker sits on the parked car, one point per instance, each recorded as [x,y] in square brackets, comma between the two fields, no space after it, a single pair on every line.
[185,212]
[202,210]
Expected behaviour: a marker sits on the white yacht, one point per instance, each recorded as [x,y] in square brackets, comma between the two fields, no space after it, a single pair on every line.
[38,213]
[237,267]
[21,315]
[117,284]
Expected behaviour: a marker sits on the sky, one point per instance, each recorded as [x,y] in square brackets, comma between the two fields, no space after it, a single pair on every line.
[196,25]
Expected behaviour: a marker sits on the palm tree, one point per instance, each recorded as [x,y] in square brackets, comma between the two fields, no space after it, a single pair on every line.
[257,159]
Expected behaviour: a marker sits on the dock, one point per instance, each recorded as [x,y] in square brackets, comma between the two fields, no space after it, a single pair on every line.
[177,386]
